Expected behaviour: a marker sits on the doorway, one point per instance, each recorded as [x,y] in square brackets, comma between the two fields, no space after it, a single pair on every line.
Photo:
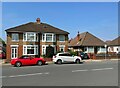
[14,52]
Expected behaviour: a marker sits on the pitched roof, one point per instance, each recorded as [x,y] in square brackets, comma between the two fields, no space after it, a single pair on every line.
[34,27]
[86,39]
[115,42]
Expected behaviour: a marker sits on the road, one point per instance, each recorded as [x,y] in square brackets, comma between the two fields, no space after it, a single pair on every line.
[87,74]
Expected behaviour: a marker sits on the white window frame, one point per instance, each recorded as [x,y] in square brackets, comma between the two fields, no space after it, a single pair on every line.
[61,36]
[15,47]
[15,34]
[25,38]
[44,37]
[35,49]
[62,46]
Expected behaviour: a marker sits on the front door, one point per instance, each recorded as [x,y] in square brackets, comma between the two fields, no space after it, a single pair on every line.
[14,52]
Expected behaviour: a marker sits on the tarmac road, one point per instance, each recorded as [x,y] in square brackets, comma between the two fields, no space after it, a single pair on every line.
[103,73]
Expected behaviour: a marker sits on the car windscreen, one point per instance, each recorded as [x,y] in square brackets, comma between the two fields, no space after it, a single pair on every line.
[66,54]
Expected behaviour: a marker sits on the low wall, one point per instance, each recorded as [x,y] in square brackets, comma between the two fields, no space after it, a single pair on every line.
[48,59]
[97,56]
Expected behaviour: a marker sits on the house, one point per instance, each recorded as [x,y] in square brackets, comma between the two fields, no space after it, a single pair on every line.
[114,45]
[34,38]
[2,49]
[88,43]
[1,45]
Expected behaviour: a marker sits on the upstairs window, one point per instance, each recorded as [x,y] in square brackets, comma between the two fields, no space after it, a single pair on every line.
[30,36]
[15,37]
[61,38]
[48,37]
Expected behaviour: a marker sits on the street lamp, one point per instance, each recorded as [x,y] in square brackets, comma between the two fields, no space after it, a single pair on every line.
[105,50]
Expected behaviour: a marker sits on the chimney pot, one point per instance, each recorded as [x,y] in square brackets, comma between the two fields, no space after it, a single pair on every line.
[38,20]
[78,36]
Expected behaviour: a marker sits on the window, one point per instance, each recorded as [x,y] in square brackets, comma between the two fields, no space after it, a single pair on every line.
[48,37]
[85,49]
[90,49]
[61,48]
[117,49]
[15,37]
[65,54]
[43,50]
[54,38]
[30,49]
[103,49]
[30,36]
[43,37]
[61,38]
[25,57]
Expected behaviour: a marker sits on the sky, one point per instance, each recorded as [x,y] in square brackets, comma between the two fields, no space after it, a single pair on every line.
[98,18]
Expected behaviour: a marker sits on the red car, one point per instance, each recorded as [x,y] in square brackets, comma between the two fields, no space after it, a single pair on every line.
[27,60]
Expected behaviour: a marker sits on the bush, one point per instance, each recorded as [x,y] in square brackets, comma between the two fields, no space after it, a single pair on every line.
[73,53]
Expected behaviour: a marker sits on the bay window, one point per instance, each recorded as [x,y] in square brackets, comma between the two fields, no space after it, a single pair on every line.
[30,49]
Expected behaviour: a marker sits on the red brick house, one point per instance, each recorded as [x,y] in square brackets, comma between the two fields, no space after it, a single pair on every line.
[2,49]
[88,43]
[33,38]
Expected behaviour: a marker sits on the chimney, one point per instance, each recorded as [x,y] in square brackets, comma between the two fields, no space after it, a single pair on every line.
[78,36]
[38,20]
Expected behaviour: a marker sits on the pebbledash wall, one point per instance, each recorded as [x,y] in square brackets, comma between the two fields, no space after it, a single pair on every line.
[23,39]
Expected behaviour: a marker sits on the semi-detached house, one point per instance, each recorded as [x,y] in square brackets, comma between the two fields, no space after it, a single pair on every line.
[33,38]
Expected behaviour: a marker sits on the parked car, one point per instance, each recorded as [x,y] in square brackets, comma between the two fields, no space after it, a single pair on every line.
[60,58]
[2,55]
[84,55]
[27,60]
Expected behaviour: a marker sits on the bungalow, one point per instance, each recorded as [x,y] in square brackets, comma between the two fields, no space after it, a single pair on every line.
[114,45]
[88,43]
[34,38]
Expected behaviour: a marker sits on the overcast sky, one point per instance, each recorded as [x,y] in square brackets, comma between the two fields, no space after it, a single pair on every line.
[100,19]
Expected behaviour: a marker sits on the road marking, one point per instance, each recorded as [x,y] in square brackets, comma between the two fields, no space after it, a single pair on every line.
[79,70]
[46,73]
[12,76]
[101,69]
[2,77]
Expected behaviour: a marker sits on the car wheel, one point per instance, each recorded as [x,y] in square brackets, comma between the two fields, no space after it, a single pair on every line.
[39,63]
[18,64]
[59,62]
[77,61]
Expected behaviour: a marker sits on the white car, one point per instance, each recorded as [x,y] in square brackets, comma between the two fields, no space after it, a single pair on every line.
[66,57]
